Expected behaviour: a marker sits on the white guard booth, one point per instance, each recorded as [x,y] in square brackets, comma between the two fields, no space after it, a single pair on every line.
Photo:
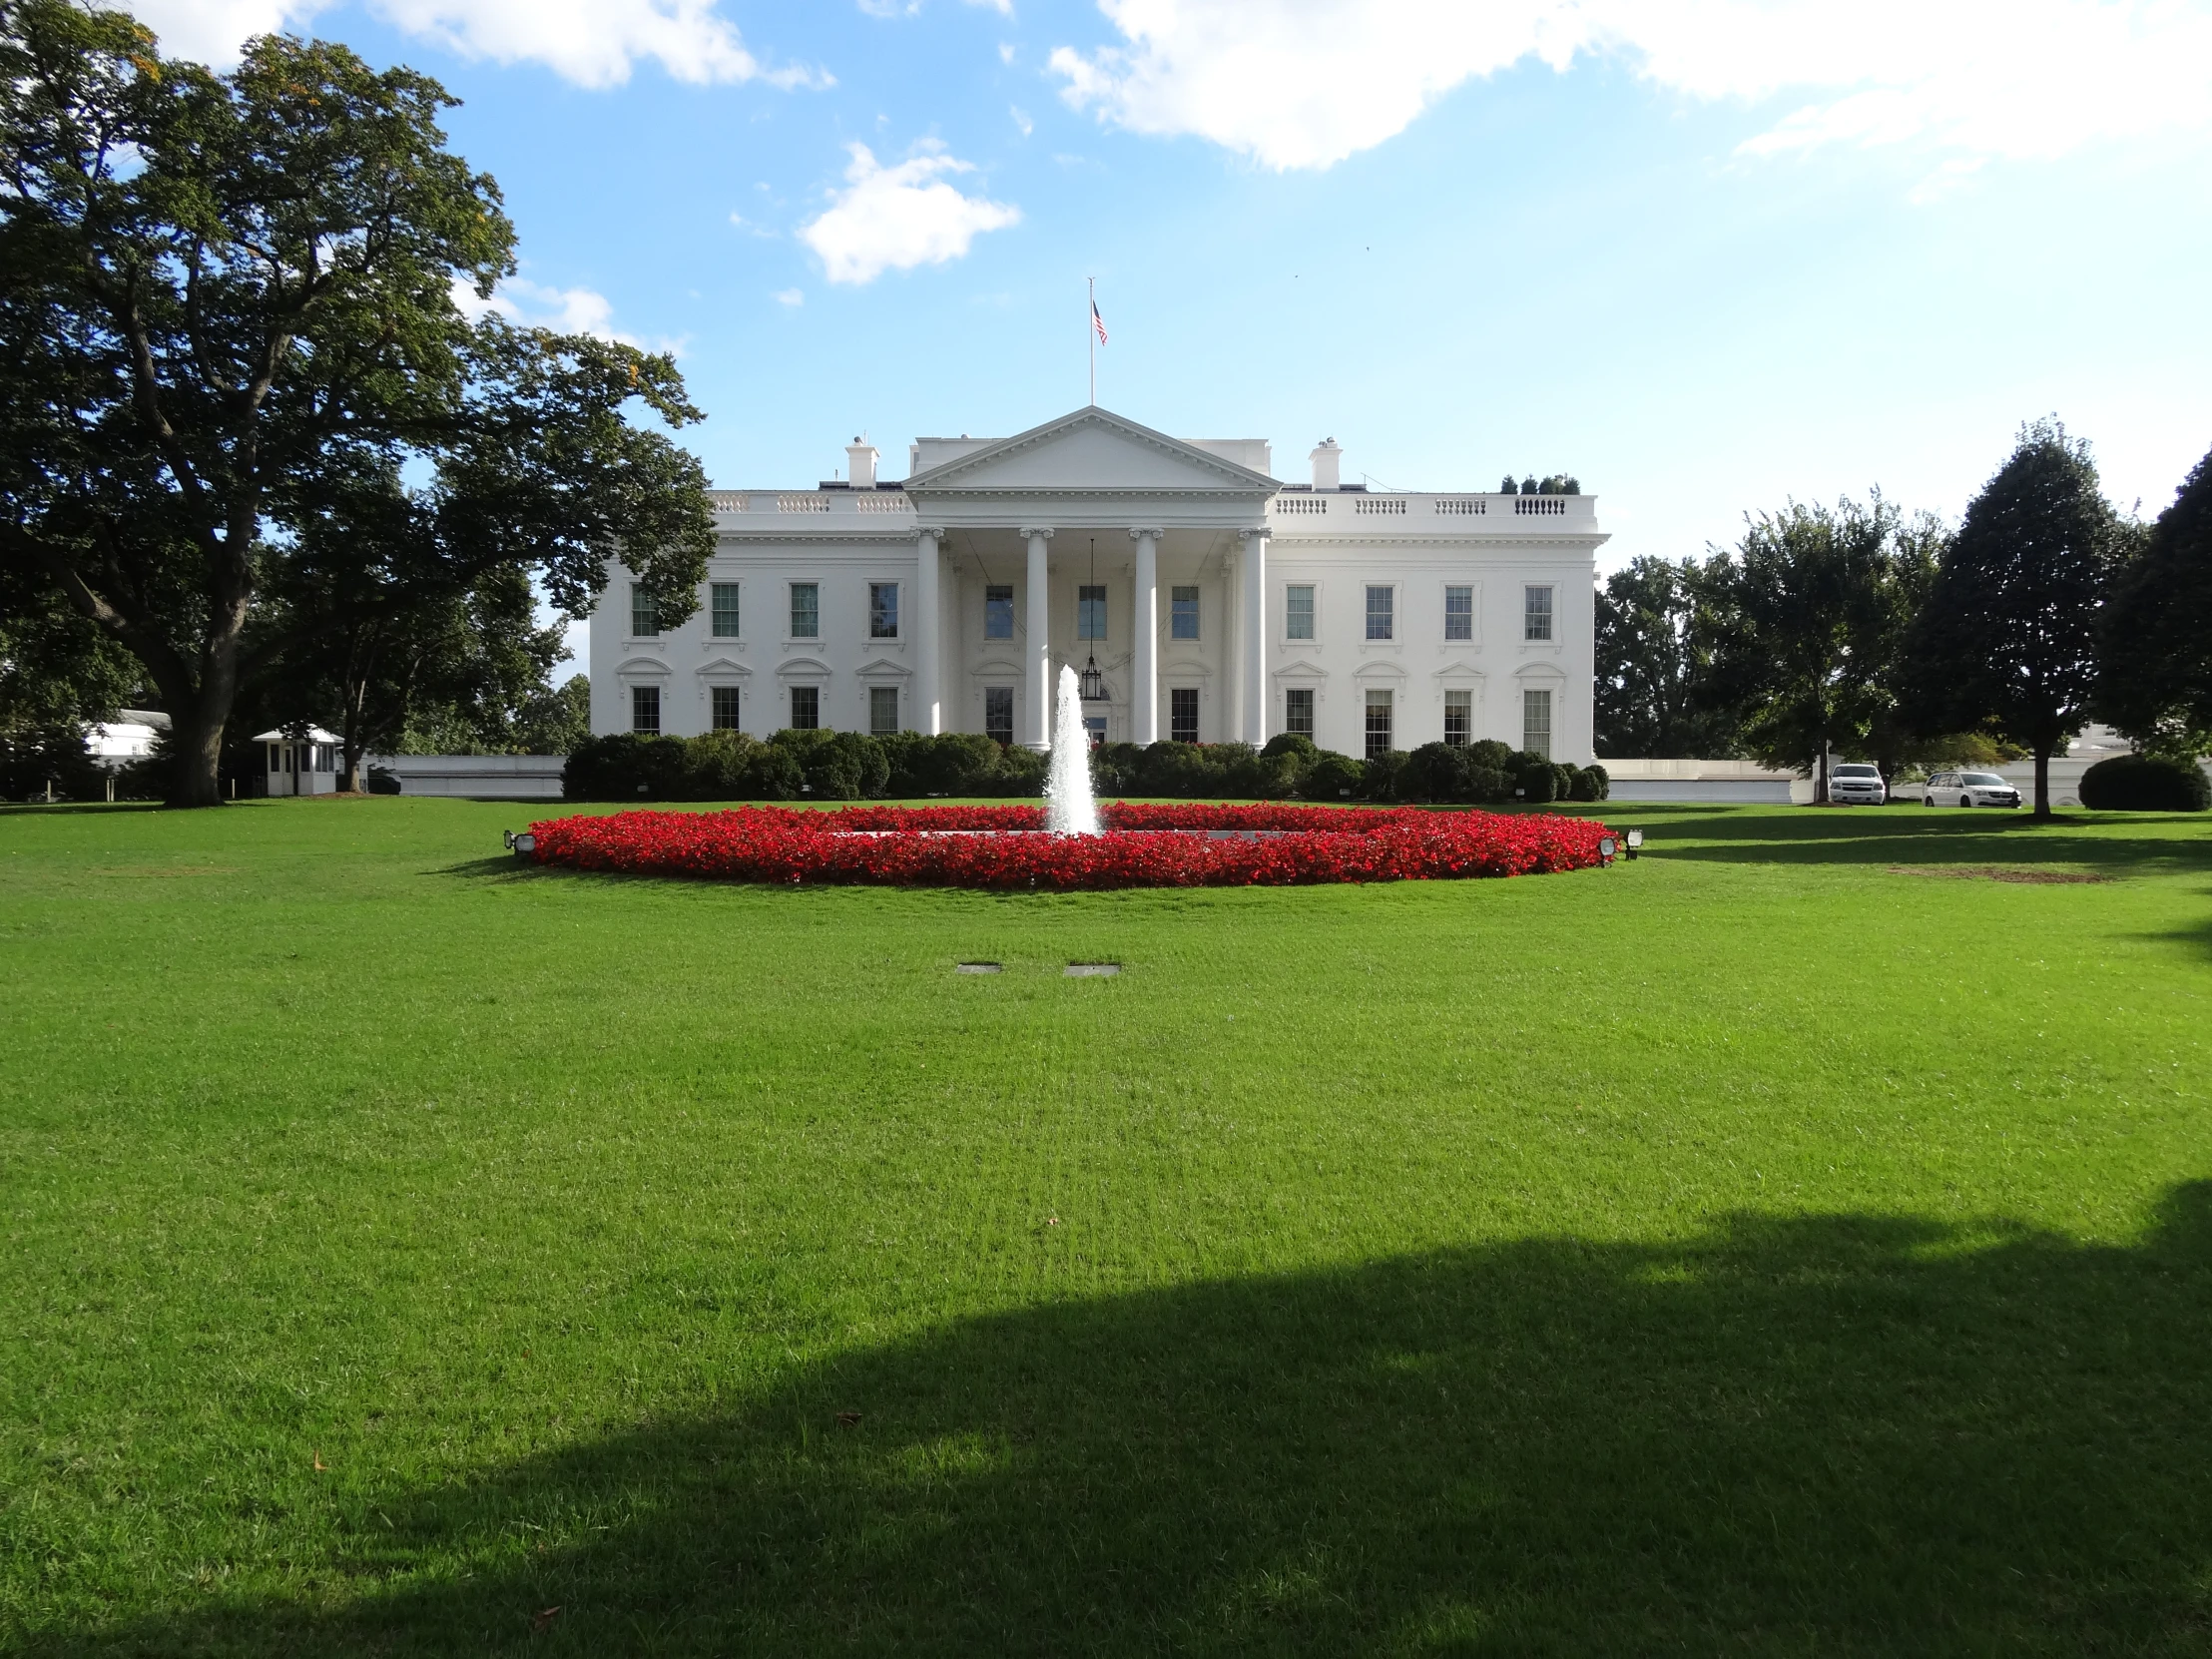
[302,766]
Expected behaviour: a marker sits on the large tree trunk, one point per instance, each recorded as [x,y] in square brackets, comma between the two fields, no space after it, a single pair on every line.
[2042,779]
[199,722]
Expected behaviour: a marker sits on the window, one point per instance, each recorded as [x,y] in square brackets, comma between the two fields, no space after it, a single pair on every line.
[1298,612]
[998,611]
[1094,727]
[1183,714]
[1458,717]
[1537,613]
[999,713]
[882,711]
[806,708]
[1379,719]
[1459,613]
[725,703]
[882,610]
[1090,612]
[645,616]
[722,608]
[806,609]
[1379,613]
[1298,711]
[645,709]
[1182,613]
[1535,721]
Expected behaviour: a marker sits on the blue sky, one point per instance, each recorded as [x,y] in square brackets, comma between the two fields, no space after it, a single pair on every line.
[1706,254]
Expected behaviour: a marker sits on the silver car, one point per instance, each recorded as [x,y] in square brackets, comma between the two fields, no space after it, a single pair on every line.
[1970,788]
[1854,784]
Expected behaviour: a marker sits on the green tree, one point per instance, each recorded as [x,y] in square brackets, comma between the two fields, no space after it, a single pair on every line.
[557,721]
[1804,617]
[226,306]
[2008,635]
[1653,696]
[2155,638]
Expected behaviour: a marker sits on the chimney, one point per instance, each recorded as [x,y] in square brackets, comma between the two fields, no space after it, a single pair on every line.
[861,472]
[1325,458]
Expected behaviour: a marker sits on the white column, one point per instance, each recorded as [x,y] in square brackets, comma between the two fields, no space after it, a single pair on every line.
[1037,728]
[926,716]
[1255,636]
[1143,665]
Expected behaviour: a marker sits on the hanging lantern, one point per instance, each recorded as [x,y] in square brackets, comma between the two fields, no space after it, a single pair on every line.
[1092,682]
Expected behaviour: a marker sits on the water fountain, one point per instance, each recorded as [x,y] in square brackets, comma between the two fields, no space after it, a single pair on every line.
[1070,807]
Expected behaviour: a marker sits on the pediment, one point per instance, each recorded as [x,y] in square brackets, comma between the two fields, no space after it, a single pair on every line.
[1458,669]
[1091,449]
[883,667]
[725,665]
[641,665]
[1300,670]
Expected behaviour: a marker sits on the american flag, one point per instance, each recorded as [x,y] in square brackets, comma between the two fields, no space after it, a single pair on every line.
[1098,322]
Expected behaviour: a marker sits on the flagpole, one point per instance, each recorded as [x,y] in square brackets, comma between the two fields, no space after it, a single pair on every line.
[1090,332]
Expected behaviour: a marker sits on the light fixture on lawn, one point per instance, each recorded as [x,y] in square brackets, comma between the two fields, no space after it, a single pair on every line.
[1606,847]
[1091,684]
[1635,842]
[521,843]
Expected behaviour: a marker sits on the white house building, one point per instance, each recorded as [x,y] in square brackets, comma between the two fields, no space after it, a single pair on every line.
[1218,602]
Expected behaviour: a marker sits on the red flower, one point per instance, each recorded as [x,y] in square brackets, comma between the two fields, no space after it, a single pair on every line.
[1144,845]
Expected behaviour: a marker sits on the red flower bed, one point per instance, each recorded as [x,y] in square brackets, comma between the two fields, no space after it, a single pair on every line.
[1172,846]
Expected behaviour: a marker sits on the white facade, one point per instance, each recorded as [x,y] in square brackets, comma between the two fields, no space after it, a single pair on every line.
[1233,606]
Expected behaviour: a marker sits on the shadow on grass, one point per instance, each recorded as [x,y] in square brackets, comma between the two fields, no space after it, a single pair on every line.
[2112,843]
[1841,1435]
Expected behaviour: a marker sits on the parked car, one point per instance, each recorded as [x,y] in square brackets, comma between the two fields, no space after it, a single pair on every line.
[1970,788]
[1854,784]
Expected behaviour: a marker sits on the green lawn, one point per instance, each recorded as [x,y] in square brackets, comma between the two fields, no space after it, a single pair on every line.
[1772,1245]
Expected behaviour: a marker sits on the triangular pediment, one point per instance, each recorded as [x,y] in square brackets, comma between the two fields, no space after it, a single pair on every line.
[1090,450]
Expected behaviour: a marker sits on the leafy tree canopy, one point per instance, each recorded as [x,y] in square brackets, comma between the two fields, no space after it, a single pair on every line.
[228,306]
[2155,647]
[1653,666]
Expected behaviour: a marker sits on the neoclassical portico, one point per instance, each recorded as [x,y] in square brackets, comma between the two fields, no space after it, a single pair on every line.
[1216,600]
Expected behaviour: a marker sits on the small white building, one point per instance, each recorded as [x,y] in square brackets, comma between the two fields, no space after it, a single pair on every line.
[1218,602]
[131,735]
[306,765]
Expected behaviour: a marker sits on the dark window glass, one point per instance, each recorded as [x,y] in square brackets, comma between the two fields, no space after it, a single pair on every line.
[806,708]
[1379,722]
[1537,722]
[725,700]
[1458,717]
[1183,714]
[1298,612]
[998,611]
[999,713]
[1537,613]
[1381,614]
[1459,613]
[882,711]
[645,619]
[645,709]
[806,609]
[1298,711]
[724,609]
[1182,613]
[882,610]
[1090,612]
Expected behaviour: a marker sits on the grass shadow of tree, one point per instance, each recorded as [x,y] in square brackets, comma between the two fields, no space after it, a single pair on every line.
[2154,843]
[1843,1434]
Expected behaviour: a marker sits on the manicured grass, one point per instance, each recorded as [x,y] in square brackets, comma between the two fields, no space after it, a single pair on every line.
[1748,1248]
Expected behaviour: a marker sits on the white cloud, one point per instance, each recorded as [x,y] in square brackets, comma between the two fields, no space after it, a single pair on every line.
[565,310]
[1021,119]
[789,297]
[1307,82]
[594,43]
[896,217]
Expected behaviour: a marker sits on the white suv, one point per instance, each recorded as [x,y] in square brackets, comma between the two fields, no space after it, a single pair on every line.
[1969,789]
[1856,785]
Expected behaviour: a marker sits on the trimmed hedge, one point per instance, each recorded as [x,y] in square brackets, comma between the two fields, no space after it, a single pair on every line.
[2144,784]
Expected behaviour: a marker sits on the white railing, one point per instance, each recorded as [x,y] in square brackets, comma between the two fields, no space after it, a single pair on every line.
[1301,503]
[1463,504]
[1540,503]
[814,501]
[888,502]
[1379,503]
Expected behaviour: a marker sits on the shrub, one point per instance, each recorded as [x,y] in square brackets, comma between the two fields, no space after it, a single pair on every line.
[1334,776]
[1292,743]
[2145,784]
[729,766]
[625,765]
[1535,782]
[1434,771]
[836,765]
[382,781]
[1382,773]
[1017,772]
[1590,784]
[1488,786]
[32,758]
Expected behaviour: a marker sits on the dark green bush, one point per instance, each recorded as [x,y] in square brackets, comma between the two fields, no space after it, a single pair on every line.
[1535,782]
[1382,773]
[836,765]
[382,781]
[1434,771]
[32,758]
[625,765]
[1590,784]
[949,764]
[2144,784]
[1491,753]
[1292,743]
[1488,786]
[1019,774]
[1336,775]
[729,766]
